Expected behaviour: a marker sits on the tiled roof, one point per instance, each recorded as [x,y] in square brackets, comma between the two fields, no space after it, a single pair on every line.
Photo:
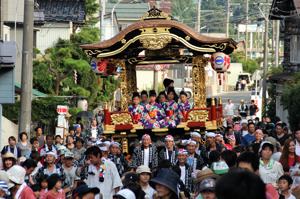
[63,10]
[128,10]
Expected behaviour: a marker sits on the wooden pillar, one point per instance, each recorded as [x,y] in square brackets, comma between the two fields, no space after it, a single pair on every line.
[213,111]
[125,92]
[107,118]
[133,78]
[220,105]
[199,88]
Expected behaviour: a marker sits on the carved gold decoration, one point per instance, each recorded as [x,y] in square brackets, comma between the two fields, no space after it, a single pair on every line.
[131,79]
[101,54]
[187,38]
[210,126]
[153,39]
[213,101]
[121,118]
[155,13]
[198,116]
[199,87]
[125,95]
[221,46]
[92,53]
[220,100]
[155,42]
[125,145]
[123,41]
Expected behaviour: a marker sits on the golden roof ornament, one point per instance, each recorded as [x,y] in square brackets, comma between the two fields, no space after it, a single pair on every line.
[155,13]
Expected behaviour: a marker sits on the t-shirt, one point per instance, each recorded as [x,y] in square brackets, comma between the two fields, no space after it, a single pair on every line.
[271,172]
[111,181]
[146,156]
[149,192]
[59,195]
[252,109]
[182,173]
[291,197]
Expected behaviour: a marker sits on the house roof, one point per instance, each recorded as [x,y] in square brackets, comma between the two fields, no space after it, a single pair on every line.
[175,27]
[128,10]
[35,92]
[283,8]
[63,10]
[281,77]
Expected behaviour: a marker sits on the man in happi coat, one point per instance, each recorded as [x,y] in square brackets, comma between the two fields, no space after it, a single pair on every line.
[146,154]
[169,152]
[185,168]
[117,157]
[194,160]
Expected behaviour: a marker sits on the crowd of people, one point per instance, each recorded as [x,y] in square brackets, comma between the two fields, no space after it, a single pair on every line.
[245,159]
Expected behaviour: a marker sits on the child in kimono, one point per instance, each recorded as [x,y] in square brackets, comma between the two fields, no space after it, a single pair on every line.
[144,98]
[137,111]
[156,114]
[172,111]
[162,99]
[184,105]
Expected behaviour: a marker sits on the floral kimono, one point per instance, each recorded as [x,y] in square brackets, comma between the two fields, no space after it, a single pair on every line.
[184,108]
[138,114]
[155,112]
[172,114]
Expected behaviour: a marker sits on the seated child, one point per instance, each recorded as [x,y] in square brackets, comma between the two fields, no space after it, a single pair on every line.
[184,105]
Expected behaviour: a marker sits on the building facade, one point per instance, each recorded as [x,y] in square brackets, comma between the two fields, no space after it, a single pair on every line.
[288,12]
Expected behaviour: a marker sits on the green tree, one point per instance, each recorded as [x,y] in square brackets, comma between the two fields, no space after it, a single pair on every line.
[249,65]
[291,101]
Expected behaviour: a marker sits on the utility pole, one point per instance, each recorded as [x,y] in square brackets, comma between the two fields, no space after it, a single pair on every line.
[198,23]
[227,18]
[103,5]
[100,18]
[1,23]
[26,92]
[246,30]
[265,69]
[277,42]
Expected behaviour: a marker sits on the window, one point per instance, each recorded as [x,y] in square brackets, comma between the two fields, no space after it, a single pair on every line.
[295,49]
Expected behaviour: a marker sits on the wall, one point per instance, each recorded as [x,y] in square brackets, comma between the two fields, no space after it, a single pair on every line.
[108,31]
[49,33]
[12,10]
[8,129]
[19,42]
[234,70]
[280,111]
[144,79]
[6,33]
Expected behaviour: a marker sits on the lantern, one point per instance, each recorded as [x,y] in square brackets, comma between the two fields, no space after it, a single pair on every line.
[220,62]
[99,66]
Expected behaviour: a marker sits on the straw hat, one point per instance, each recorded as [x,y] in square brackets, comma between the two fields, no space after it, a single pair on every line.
[9,155]
[203,174]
